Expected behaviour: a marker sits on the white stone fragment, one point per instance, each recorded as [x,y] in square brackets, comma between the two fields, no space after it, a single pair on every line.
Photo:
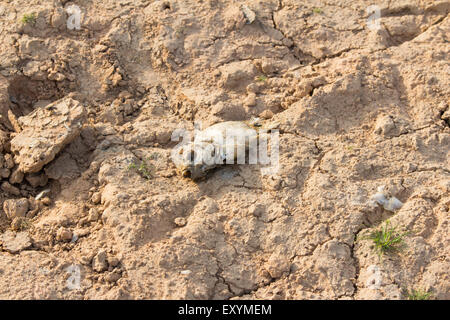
[249,14]
[393,204]
[389,203]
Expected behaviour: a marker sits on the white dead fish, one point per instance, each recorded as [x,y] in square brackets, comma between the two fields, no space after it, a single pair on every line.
[211,152]
[211,147]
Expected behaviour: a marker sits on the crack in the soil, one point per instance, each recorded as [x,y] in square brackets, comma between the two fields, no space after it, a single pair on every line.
[446,120]
[398,43]
[293,46]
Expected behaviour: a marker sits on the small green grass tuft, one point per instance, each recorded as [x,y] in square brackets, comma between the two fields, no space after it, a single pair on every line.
[387,239]
[261,78]
[317,10]
[28,18]
[419,294]
[144,168]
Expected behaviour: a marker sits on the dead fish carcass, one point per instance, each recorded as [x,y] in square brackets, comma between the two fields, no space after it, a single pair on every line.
[217,145]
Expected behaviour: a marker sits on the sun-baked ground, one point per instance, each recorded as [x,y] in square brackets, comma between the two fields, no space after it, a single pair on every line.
[358,108]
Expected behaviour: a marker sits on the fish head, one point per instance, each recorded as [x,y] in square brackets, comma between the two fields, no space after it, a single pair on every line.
[195,160]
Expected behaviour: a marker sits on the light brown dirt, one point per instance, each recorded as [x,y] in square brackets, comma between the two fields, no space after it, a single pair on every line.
[358,109]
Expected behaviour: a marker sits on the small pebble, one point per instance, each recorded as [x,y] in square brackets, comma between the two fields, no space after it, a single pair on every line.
[186,272]
[96,198]
[64,234]
[46,201]
[181,222]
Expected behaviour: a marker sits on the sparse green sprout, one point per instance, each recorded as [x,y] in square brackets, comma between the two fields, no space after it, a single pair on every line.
[387,239]
[144,169]
[419,294]
[317,10]
[28,18]
[261,78]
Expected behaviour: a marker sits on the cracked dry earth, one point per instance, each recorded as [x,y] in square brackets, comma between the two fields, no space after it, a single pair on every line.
[358,109]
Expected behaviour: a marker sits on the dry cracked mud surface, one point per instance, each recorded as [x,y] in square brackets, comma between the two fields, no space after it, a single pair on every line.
[82,111]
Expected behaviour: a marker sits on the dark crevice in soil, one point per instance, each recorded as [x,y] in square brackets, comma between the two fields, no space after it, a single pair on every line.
[446,119]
